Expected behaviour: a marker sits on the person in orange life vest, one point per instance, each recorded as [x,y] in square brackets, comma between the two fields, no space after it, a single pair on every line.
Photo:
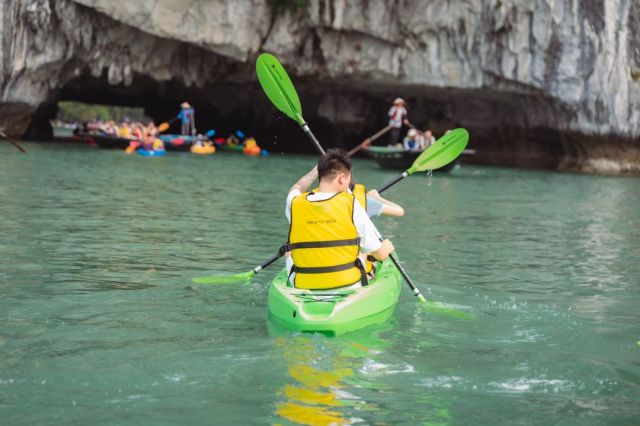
[397,117]
[329,228]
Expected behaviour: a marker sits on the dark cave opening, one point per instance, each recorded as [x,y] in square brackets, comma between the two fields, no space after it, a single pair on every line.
[506,129]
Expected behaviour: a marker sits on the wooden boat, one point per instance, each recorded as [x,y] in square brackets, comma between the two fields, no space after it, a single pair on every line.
[399,159]
[107,141]
[177,142]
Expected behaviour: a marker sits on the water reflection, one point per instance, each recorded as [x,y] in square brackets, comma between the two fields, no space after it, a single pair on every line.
[323,378]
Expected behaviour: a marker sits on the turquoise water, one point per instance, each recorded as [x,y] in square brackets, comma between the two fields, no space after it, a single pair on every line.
[100,324]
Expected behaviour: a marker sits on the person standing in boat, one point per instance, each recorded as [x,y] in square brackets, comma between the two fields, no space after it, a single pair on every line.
[187,116]
[397,117]
[329,229]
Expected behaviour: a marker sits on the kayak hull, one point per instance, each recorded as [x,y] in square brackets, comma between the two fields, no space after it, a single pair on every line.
[173,142]
[110,142]
[203,150]
[334,311]
[155,153]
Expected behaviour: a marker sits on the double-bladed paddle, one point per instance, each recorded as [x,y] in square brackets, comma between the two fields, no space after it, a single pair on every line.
[280,90]
[429,159]
[442,152]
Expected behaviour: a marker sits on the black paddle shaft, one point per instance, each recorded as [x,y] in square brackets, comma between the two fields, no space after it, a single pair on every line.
[267,263]
[307,131]
[404,274]
[388,185]
[393,181]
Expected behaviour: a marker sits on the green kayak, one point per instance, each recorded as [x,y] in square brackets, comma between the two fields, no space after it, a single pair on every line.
[335,311]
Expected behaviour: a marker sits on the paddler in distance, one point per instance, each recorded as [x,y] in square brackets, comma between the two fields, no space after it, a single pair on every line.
[187,117]
[329,229]
[397,117]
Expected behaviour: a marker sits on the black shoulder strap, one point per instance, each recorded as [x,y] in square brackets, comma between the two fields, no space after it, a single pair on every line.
[317,244]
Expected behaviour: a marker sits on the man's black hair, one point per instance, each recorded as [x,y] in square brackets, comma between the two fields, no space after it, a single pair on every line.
[334,162]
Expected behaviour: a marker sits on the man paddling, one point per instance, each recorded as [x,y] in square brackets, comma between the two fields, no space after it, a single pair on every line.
[328,229]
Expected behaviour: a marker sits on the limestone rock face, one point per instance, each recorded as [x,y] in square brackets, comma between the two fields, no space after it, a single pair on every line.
[552,83]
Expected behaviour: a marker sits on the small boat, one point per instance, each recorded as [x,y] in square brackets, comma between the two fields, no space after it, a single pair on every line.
[177,142]
[399,159]
[107,141]
[206,149]
[151,153]
[334,311]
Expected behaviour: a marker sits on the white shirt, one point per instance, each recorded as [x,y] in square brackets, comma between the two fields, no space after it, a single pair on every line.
[396,115]
[367,232]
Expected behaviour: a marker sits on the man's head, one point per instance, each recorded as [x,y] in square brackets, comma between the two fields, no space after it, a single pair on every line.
[334,170]
[399,102]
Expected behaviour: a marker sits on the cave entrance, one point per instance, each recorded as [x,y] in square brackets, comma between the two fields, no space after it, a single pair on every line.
[72,114]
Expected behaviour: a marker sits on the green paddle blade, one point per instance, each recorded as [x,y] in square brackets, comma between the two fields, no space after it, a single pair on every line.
[442,152]
[225,279]
[442,309]
[278,87]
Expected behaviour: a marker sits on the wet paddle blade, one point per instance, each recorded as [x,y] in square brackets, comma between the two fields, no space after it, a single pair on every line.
[439,308]
[278,87]
[162,127]
[442,152]
[225,279]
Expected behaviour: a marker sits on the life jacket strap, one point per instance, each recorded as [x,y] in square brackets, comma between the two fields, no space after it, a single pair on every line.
[317,244]
[324,269]
[336,268]
[363,272]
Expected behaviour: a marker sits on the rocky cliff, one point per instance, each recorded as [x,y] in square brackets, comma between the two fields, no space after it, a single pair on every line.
[550,83]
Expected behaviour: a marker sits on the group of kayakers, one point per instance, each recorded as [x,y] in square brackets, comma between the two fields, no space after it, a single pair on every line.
[414,140]
[149,138]
[332,240]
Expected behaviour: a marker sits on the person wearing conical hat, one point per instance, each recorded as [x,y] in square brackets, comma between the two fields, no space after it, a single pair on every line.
[187,116]
[397,117]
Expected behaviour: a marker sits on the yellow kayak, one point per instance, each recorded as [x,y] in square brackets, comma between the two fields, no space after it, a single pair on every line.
[203,149]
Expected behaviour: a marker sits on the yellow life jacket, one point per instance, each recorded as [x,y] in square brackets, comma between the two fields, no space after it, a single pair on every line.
[360,193]
[324,243]
[157,144]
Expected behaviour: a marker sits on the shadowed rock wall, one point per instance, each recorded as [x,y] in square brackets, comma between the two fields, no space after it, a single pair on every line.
[543,83]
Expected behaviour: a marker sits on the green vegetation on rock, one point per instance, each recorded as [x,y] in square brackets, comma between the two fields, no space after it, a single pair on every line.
[77,111]
[281,6]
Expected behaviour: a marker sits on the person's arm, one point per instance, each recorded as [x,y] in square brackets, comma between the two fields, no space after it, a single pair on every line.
[369,236]
[405,120]
[389,208]
[386,248]
[303,184]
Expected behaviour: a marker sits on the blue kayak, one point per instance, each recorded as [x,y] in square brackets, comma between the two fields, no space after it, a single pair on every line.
[151,153]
